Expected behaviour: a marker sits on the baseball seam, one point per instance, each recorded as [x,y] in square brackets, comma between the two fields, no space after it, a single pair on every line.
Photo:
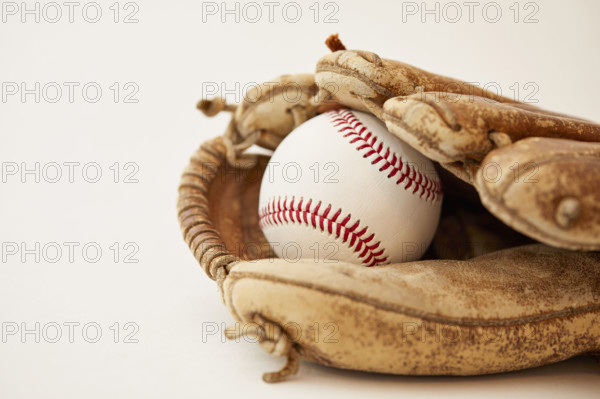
[348,124]
[278,212]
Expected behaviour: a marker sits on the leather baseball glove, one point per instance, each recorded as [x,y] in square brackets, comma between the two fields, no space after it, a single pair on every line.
[507,283]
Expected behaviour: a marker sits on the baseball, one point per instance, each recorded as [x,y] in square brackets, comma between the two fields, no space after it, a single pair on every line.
[340,187]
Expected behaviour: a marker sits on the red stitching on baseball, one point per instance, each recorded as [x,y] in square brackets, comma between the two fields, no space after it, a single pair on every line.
[348,124]
[273,213]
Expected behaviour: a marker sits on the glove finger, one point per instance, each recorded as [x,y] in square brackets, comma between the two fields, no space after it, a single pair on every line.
[459,130]
[547,189]
[364,81]
[268,108]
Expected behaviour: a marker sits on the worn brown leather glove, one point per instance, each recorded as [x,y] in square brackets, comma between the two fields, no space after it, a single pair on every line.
[512,307]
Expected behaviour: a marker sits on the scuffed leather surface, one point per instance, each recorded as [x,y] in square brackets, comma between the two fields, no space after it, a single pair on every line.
[503,311]
[525,183]
[354,77]
[449,128]
[267,107]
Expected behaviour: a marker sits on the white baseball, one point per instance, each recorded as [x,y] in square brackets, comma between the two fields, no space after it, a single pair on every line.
[341,187]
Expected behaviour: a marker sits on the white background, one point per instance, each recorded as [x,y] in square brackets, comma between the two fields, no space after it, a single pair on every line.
[175,58]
